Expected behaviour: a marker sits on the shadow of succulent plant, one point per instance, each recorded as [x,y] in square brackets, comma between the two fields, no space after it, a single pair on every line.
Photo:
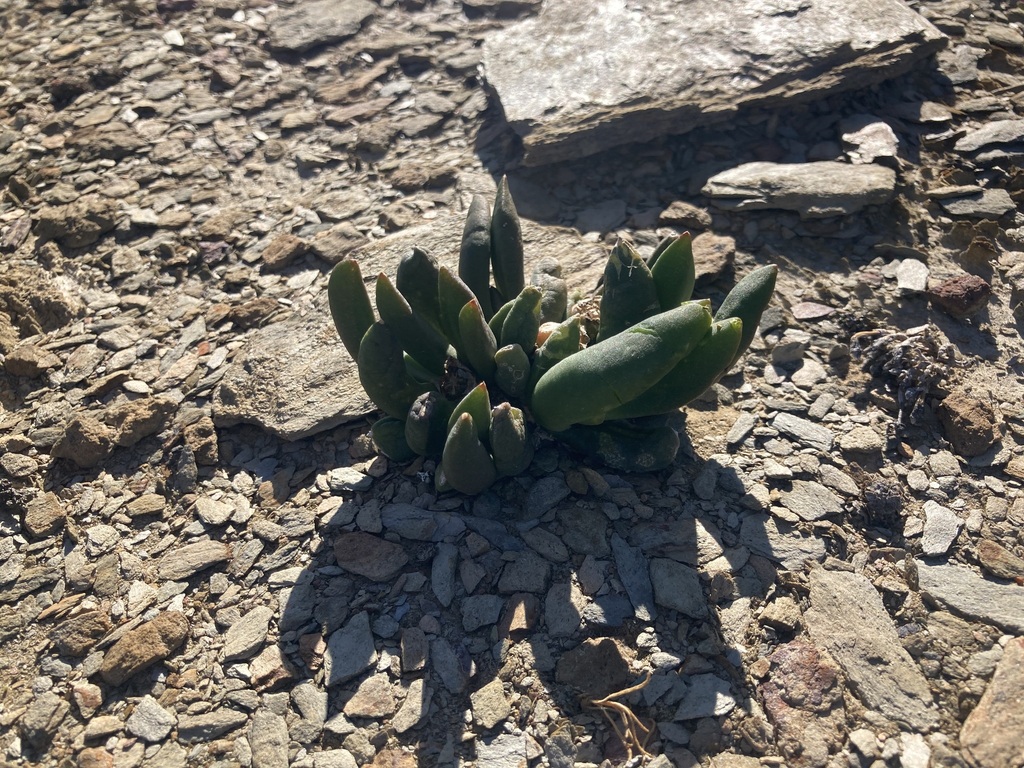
[461,367]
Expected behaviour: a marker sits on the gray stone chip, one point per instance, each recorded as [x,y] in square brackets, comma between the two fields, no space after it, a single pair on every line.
[311,24]
[968,594]
[814,190]
[807,432]
[350,650]
[847,619]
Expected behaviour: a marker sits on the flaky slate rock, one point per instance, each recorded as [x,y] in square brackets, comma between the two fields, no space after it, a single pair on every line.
[350,650]
[814,190]
[369,556]
[677,586]
[579,78]
[41,719]
[811,501]
[144,646]
[312,24]
[991,133]
[185,561]
[631,566]
[847,619]
[268,736]
[292,378]
[246,636]
[707,695]
[993,735]
[988,204]
[964,592]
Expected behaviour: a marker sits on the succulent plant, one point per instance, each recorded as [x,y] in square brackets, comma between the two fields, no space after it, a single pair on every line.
[461,367]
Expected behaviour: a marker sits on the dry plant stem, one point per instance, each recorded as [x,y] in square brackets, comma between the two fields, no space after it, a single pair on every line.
[633,734]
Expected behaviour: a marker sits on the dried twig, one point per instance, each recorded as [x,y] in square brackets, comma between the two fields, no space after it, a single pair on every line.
[633,734]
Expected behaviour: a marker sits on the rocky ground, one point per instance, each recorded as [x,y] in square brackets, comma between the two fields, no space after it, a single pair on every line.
[191,574]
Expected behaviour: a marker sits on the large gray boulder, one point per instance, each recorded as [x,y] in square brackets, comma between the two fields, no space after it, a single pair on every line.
[581,77]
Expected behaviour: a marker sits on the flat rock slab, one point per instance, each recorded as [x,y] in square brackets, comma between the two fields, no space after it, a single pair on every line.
[350,650]
[292,378]
[706,695]
[847,619]
[312,24]
[989,204]
[780,542]
[369,556]
[814,190]
[993,735]
[992,133]
[964,592]
[295,379]
[580,78]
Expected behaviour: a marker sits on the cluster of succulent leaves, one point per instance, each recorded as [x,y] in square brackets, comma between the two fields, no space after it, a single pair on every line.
[461,367]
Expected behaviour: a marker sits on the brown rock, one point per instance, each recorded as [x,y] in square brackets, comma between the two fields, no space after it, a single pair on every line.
[77,224]
[147,504]
[201,437]
[223,225]
[713,255]
[77,635]
[410,177]
[969,423]
[596,667]
[30,361]
[373,698]
[366,555]
[88,698]
[334,244]
[394,758]
[500,8]
[960,296]
[312,647]
[683,214]
[254,312]
[44,515]
[804,701]
[520,615]
[1015,467]
[136,420]
[414,649]
[271,668]
[14,234]
[998,561]
[112,141]
[95,757]
[144,646]
[993,735]
[85,441]
[283,250]
[33,302]
[805,677]
[303,118]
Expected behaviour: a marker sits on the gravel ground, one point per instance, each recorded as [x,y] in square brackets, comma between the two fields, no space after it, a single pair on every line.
[205,563]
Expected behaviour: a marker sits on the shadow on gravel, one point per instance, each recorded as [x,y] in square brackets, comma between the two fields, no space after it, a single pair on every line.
[562,605]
